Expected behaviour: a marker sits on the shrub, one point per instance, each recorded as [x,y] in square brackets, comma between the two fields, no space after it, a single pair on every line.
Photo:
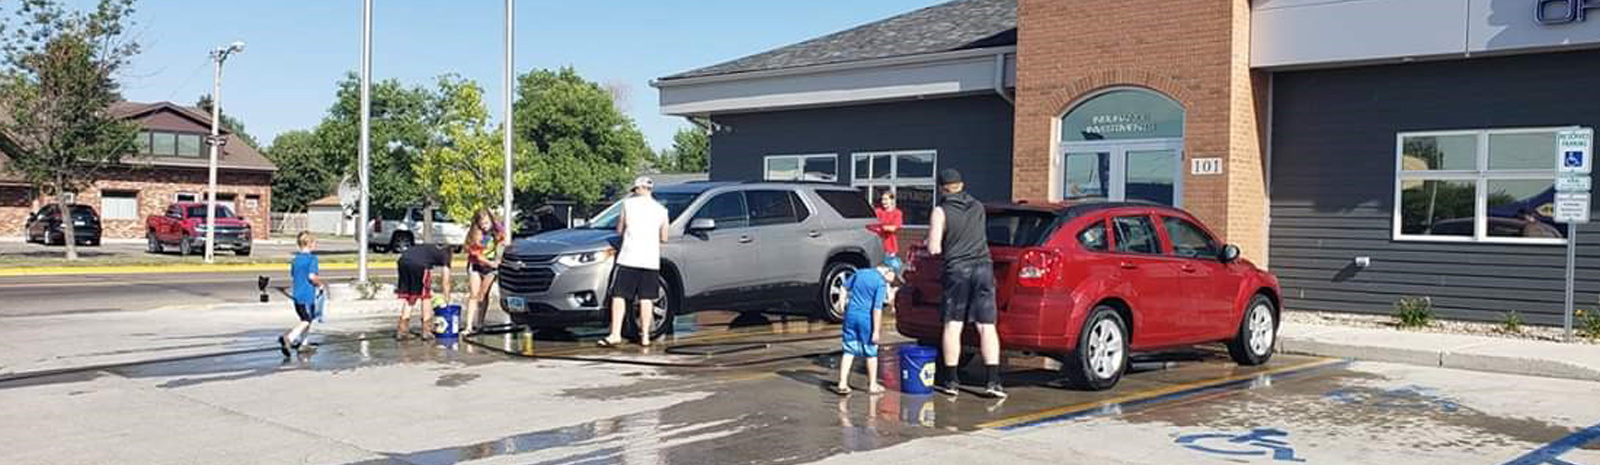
[1587,324]
[1512,323]
[368,290]
[1414,312]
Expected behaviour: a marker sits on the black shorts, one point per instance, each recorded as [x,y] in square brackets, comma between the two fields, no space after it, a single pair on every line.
[482,269]
[305,312]
[636,283]
[413,282]
[969,293]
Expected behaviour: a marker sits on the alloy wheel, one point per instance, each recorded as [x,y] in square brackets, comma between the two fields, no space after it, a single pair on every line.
[836,292]
[1261,329]
[1105,349]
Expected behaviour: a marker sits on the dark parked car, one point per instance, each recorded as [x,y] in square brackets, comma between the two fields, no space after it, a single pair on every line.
[44,226]
[1090,282]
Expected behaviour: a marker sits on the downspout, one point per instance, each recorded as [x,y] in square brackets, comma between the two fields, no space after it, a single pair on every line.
[1000,78]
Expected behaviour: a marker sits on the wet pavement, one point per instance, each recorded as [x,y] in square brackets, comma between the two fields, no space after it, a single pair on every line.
[748,389]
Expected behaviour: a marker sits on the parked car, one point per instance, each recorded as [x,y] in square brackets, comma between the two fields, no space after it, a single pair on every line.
[184,226]
[1089,282]
[750,246]
[399,234]
[44,226]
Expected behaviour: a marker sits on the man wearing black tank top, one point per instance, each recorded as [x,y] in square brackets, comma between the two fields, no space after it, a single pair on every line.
[959,233]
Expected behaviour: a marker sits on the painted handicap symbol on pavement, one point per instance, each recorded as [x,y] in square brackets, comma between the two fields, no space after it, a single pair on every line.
[1257,442]
[1409,397]
[1551,453]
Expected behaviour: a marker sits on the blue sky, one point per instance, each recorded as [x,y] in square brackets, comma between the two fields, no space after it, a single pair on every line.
[297,49]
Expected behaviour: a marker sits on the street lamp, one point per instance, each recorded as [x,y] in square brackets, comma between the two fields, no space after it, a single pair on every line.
[217,56]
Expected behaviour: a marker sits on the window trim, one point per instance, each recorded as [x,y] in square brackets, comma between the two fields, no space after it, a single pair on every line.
[894,182]
[766,166]
[120,194]
[178,197]
[1480,177]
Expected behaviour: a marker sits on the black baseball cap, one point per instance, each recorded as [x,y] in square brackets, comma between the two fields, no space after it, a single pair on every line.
[949,176]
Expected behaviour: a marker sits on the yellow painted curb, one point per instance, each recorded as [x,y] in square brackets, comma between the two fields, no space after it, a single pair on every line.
[186,268]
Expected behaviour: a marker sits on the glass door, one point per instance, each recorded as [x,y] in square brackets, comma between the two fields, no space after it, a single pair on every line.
[1124,170]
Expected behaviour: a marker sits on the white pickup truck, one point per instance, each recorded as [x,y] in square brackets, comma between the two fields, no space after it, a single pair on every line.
[397,235]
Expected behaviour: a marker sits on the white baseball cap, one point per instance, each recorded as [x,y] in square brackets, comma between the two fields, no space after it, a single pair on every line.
[643,181]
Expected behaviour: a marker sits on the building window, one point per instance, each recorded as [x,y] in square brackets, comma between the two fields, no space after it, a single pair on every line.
[189,145]
[163,143]
[1493,185]
[823,168]
[186,197]
[119,205]
[169,144]
[908,174]
[252,202]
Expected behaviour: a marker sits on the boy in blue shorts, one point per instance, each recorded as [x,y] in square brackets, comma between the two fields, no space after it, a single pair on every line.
[865,291]
[303,271]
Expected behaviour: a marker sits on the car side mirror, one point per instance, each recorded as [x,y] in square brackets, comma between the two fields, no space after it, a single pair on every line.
[580,222]
[1229,254]
[702,225]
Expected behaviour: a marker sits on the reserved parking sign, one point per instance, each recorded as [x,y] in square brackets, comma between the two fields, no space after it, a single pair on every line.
[1574,150]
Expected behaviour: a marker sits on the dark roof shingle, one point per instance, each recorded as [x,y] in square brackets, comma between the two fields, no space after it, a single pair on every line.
[949,26]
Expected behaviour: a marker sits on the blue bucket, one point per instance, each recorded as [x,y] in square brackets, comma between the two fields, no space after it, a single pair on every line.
[917,369]
[446,321]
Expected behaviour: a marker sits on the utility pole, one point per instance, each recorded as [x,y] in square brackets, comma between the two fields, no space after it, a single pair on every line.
[215,141]
[366,139]
[508,97]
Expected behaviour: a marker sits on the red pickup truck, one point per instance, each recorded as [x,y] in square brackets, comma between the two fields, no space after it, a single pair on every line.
[184,226]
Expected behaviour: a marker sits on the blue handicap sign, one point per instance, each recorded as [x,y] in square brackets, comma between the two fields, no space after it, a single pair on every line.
[1551,453]
[1259,442]
[1572,159]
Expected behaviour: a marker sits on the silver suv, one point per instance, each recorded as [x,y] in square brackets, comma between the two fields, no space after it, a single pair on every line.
[731,246]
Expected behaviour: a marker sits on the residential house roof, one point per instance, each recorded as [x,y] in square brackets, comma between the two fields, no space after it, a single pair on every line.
[235,155]
[949,26]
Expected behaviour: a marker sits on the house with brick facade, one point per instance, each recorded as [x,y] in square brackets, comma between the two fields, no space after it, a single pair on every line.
[170,166]
[1363,150]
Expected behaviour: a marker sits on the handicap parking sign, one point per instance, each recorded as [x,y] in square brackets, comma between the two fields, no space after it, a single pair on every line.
[1574,150]
[1572,159]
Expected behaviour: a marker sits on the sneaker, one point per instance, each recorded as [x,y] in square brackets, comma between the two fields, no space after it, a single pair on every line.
[947,388]
[994,391]
[283,346]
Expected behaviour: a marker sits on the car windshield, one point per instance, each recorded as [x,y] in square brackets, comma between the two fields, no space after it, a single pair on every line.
[675,202]
[200,212]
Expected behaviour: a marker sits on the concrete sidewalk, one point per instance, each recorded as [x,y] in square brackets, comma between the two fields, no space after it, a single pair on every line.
[1478,353]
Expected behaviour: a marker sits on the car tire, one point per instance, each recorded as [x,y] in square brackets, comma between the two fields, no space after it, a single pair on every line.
[1258,331]
[152,244]
[1101,355]
[400,242]
[830,305]
[662,322]
[185,247]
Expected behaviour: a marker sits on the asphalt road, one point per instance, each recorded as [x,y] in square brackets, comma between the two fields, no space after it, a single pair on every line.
[90,293]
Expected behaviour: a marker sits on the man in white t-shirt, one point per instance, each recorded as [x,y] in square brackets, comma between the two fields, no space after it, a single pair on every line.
[643,228]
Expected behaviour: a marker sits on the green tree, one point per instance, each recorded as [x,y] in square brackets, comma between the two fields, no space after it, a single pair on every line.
[576,143]
[57,84]
[304,173]
[403,119]
[229,123]
[691,150]
[462,170]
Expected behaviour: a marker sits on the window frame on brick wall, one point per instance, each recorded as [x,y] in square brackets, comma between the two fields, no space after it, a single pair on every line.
[870,186]
[193,197]
[1480,176]
[109,213]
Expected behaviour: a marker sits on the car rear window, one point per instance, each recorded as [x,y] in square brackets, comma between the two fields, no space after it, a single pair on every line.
[849,204]
[1020,228]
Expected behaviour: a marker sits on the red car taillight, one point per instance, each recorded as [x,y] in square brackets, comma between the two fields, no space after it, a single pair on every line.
[1039,268]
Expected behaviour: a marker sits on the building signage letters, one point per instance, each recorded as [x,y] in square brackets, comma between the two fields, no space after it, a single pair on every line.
[1555,12]
[1130,122]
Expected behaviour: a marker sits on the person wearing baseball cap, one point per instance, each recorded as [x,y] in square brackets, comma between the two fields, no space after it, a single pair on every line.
[959,233]
[643,228]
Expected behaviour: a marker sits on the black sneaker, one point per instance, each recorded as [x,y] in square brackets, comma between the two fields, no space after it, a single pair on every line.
[283,346]
[994,391]
[947,388]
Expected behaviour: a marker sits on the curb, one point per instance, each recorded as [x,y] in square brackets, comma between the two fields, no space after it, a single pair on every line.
[175,268]
[1509,357]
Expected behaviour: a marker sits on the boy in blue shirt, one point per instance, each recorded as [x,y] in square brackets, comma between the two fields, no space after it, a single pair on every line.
[865,291]
[303,271]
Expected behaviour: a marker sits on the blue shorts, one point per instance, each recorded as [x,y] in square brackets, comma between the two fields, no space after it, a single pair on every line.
[858,337]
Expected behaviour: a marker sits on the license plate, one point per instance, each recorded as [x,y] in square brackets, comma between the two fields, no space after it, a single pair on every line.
[516,304]
[78,223]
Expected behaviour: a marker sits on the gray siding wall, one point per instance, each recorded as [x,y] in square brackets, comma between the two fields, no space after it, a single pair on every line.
[1333,187]
[971,134]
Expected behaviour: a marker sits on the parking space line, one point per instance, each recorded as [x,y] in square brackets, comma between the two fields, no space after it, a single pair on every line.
[1178,391]
[1550,453]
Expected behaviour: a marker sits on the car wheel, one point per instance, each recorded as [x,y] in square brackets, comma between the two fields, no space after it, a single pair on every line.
[833,290]
[400,243]
[1258,333]
[661,319]
[185,248]
[1101,356]
[152,244]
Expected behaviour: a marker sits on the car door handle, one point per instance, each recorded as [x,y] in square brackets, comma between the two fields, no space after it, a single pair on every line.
[1129,265]
[814,234]
[1188,268]
[745,239]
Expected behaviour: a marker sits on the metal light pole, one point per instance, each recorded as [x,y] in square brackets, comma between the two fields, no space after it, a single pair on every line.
[217,57]
[366,138]
[510,87]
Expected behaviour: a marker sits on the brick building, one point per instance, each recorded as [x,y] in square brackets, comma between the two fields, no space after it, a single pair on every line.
[1365,150]
[171,166]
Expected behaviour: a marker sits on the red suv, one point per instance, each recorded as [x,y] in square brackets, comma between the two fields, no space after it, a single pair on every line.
[1089,282]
